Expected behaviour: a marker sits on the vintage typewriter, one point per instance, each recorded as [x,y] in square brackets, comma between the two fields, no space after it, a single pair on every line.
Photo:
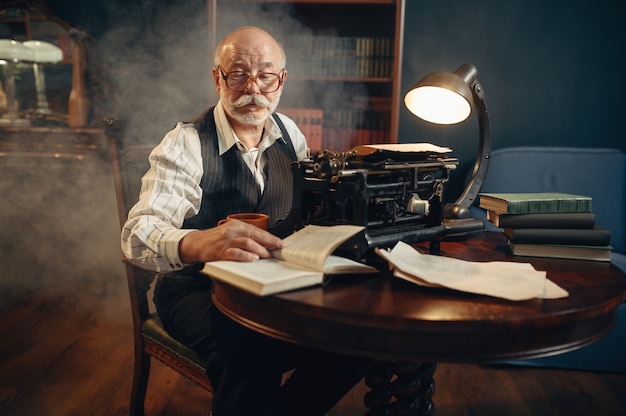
[394,191]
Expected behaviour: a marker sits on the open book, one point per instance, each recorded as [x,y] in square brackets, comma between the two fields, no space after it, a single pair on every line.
[305,260]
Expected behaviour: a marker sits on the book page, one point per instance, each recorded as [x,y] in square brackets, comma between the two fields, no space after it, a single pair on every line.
[342,265]
[508,280]
[310,246]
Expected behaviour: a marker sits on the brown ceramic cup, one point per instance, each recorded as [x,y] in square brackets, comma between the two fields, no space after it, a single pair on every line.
[259,220]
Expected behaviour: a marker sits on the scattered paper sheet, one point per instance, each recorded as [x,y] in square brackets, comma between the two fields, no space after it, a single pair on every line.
[410,147]
[508,280]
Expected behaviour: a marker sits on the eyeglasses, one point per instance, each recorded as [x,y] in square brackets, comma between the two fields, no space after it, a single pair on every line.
[238,80]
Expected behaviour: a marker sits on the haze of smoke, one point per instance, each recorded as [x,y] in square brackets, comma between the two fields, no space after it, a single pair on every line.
[59,222]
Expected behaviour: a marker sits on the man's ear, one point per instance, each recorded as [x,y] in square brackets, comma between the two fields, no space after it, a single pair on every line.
[216,78]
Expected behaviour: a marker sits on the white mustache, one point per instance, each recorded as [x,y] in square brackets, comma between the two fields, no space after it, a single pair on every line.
[251,98]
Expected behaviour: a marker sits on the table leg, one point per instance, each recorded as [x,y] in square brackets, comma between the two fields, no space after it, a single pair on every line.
[400,389]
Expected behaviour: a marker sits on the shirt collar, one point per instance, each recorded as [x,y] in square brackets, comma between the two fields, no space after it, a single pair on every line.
[226,137]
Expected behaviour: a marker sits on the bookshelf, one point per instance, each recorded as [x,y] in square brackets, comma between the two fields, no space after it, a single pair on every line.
[344,60]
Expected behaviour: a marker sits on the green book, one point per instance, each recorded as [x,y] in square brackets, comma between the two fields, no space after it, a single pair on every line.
[533,203]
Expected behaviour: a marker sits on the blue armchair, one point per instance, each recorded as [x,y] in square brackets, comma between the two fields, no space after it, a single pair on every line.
[596,172]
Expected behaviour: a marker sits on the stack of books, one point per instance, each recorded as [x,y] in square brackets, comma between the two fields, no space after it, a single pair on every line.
[550,224]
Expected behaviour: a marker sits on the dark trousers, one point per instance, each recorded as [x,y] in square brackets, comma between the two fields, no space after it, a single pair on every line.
[245,367]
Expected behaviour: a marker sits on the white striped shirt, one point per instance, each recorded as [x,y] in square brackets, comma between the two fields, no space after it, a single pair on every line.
[171,193]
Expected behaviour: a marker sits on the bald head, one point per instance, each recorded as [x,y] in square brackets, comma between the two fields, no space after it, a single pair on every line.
[250,42]
[253,62]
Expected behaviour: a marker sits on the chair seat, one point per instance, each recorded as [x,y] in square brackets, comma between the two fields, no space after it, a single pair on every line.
[154,333]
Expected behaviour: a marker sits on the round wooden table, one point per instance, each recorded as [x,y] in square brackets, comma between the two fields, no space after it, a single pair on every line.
[385,318]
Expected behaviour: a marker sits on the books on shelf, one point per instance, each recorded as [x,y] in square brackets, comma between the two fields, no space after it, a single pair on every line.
[533,203]
[374,57]
[309,121]
[373,124]
[368,121]
[553,224]
[305,260]
[543,220]
[340,56]
[576,252]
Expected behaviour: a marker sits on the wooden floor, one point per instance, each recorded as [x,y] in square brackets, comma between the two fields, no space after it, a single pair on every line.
[68,351]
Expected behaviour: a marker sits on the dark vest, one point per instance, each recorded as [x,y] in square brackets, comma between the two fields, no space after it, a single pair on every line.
[229,187]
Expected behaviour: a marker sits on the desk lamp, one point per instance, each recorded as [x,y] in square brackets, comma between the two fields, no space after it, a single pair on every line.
[446,98]
[43,53]
[12,52]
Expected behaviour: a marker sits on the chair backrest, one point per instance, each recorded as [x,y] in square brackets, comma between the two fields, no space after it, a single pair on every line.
[130,162]
[596,172]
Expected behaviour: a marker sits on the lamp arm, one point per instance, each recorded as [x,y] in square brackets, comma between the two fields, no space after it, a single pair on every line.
[460,208]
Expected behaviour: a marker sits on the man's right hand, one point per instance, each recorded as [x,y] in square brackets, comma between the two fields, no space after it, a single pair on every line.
[233,240]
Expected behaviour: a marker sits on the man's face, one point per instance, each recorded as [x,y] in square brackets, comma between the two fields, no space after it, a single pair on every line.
[251,56]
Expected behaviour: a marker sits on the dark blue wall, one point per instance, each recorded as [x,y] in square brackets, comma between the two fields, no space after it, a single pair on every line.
[552,71]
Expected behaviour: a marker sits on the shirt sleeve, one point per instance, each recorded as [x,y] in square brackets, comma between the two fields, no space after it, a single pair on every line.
[170,193]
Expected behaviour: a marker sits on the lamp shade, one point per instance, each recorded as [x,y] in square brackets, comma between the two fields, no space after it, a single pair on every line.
[443,97]
[15,51]
[44,52]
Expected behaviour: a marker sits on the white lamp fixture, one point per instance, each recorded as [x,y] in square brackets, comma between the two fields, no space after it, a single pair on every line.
[43,53]
[447,98]
[12,52]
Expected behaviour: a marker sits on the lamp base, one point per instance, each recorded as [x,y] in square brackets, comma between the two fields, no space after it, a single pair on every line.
[462,227]
[458,222]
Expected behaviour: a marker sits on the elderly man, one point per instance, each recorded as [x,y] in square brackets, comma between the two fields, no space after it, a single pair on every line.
[235,157]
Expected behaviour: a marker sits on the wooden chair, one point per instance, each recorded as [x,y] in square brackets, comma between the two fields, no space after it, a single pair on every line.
[130,162]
